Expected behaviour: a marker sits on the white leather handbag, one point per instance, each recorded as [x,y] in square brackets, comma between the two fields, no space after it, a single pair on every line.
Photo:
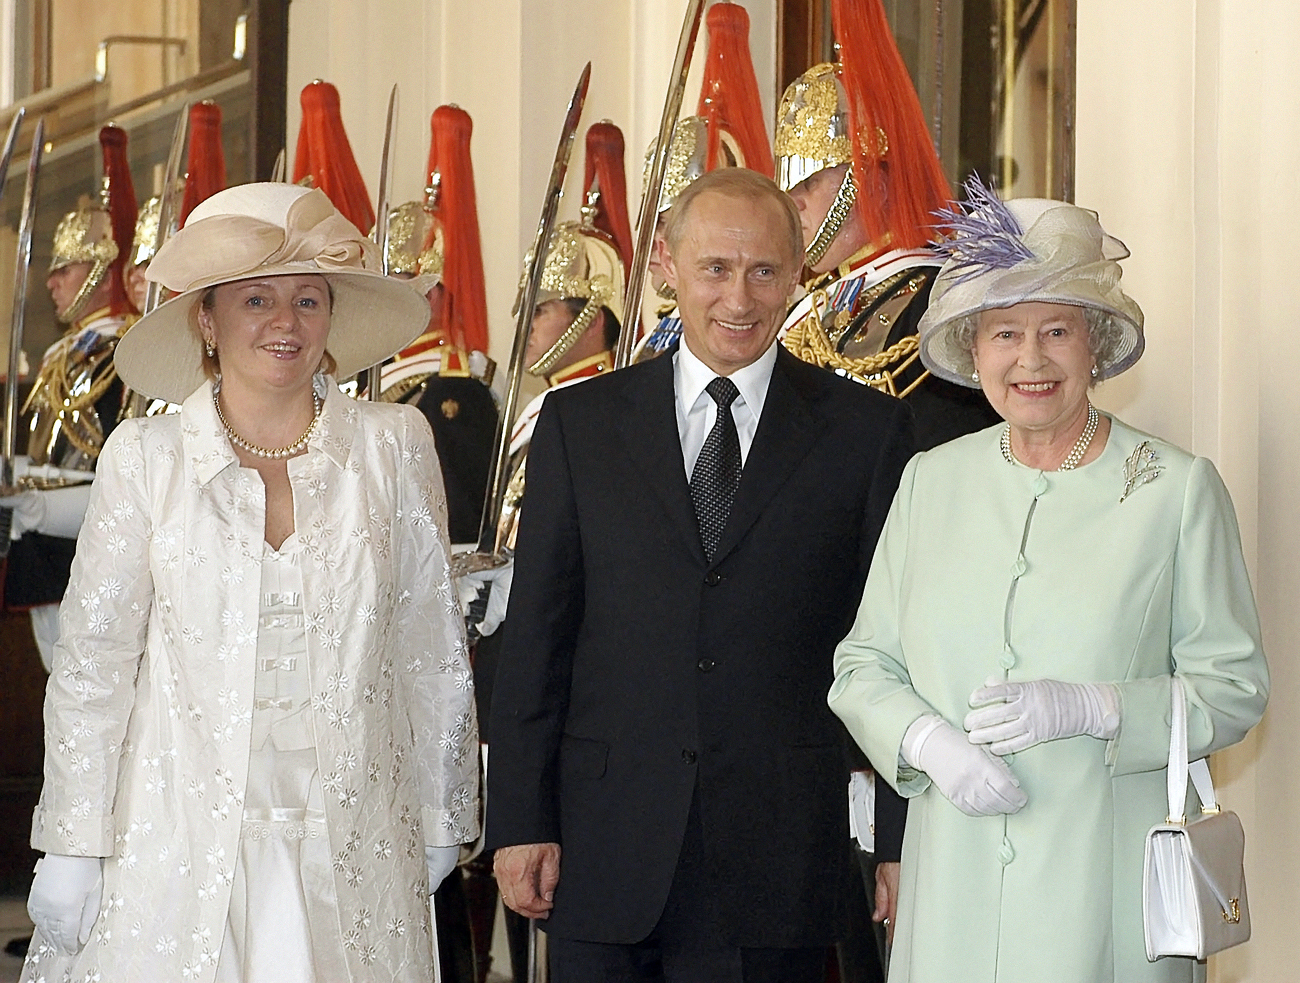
[1193,879]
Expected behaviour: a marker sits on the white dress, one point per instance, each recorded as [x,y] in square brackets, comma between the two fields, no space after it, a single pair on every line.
[283,919]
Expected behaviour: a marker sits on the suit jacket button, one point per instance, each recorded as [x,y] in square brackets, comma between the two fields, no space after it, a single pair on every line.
[688,756]
[705,665]
[713,578]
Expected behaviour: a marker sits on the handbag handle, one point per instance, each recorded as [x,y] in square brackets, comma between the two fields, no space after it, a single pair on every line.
[1179,769]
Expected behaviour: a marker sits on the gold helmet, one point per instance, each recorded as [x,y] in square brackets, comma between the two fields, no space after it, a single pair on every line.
[146,231]
[408,227]
[84,236]
[686,159]
[812,130]
[581,263]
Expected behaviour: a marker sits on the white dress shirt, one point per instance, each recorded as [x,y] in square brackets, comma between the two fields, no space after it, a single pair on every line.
[696,410]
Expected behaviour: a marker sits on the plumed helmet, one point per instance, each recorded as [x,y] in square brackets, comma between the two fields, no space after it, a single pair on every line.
[324,157]
[581,264]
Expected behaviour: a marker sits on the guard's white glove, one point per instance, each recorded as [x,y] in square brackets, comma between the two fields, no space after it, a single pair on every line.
[441,861]
[64,900]
[496,582]
[28,512]
[969,777]
[53,511]
[1011,717]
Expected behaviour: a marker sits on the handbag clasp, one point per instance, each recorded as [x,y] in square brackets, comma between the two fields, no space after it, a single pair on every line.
[1233,915]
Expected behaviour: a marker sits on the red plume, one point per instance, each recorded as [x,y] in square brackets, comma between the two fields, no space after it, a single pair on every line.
[881,98]
[465,311]
[325,153]
[120,194]
[729,100]
[605,165]
[205,169]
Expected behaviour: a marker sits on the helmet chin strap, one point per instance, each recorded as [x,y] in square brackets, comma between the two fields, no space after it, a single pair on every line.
[94,277]
[835,218]
[552,355]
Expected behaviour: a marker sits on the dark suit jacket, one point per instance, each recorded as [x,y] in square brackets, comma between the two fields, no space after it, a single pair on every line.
[635,675]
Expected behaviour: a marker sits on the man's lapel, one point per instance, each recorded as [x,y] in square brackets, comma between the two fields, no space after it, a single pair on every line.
[786,432]
[650,428]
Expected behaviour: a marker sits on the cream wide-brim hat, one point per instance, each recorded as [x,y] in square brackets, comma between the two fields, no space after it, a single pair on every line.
[267,229]
[1066,258]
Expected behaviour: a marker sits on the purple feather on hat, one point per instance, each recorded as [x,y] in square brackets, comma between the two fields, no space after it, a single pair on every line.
[980,235]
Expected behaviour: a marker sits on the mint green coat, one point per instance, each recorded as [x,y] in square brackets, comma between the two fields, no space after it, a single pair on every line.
[988,570]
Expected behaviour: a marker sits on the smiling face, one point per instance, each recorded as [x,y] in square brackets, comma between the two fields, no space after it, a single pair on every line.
[1035,365]
[269,332]
[733,271]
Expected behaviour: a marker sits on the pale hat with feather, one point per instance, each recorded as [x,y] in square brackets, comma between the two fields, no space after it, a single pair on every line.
[1028,249]
[268,229]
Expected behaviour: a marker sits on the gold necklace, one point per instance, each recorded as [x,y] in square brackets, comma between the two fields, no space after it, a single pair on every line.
[1076,453]
[270,453]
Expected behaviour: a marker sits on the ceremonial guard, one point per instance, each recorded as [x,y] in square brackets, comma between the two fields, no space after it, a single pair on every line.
[446,371]
[854,152]
[728,131]
[76,399]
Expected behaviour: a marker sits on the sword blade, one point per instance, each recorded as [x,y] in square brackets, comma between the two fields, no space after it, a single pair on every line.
[169,205]
[15,348]
[380,233]
[21,265]
[279,169]
[645,230]
[496,491]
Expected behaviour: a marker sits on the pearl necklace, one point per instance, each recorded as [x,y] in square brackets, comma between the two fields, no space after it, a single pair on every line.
[270,453]
[1076,453]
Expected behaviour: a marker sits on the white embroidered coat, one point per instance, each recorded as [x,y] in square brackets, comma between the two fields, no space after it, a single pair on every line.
[149,706]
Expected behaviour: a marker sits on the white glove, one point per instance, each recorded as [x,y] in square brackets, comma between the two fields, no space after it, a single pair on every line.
[496,582]
[53,511]
[29,511]
[969,777]
[1011,717]
[441,861]
[64,900]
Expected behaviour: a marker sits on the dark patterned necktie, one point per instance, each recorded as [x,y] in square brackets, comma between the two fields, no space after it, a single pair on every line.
[717,469]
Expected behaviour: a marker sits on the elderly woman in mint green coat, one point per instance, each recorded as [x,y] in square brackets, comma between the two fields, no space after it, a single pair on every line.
[1034,588]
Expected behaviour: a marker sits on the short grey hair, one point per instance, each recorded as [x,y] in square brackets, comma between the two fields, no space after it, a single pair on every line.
[746,185]
[1105,339]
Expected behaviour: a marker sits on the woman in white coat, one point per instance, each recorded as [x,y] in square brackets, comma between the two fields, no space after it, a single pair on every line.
[260,740]
[1034,588]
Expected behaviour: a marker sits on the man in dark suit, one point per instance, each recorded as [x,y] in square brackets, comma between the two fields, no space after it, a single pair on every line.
[666,783]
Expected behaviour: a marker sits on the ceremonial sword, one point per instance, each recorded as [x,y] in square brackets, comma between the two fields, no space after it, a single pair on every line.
[22,264]
[489,554]
[645,230]
[380,234]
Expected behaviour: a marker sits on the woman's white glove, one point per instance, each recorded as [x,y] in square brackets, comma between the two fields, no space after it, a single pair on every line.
[1011,717]
[969,777]
[64,900]
[441,861]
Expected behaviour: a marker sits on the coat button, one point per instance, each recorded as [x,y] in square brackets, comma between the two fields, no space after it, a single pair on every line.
[713,578]
[1007,660]
[1018,568]
[688,756]
[705,665]
[1040,485]
[1006,853]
